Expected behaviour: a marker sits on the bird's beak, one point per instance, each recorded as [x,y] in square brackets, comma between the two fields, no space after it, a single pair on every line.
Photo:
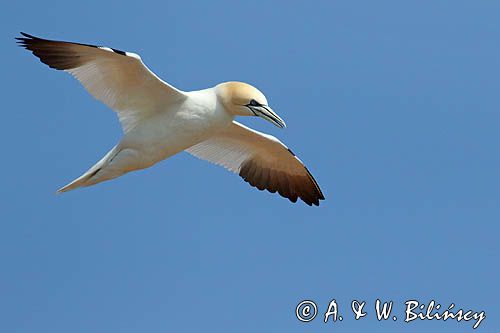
[268,114]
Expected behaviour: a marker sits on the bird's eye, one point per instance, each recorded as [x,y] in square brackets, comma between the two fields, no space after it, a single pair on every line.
[253,102]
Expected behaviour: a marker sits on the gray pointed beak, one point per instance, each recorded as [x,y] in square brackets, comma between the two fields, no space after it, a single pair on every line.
[268,114]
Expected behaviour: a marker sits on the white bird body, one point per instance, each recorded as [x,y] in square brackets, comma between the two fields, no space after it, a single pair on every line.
[177,128]
[160,136]
[160,121]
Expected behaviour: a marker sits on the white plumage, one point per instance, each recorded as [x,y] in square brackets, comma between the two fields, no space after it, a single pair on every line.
[159,121]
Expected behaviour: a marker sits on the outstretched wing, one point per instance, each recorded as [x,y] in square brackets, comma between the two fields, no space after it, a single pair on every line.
[118,79]
[261,160]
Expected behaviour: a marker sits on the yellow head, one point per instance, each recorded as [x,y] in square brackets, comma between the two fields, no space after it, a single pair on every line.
[242,99]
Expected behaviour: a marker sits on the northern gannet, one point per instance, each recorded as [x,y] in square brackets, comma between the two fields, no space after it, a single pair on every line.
[159,121]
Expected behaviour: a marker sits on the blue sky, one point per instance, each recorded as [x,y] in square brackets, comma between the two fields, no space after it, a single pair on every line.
[392,105]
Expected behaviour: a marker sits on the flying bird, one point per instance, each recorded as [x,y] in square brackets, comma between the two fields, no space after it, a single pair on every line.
[159,121]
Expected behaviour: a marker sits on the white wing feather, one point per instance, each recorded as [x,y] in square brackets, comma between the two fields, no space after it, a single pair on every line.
[118,79]
[261,160]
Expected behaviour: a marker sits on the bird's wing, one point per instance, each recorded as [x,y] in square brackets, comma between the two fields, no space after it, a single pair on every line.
[261,160]
[118,79]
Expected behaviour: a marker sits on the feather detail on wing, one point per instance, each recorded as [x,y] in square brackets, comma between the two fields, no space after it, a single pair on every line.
[262,161]
[118,79]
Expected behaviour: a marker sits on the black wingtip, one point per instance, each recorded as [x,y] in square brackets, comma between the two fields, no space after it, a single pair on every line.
[27,35]
[24,41]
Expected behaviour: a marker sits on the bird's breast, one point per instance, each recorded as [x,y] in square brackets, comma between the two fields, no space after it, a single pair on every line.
[173,131]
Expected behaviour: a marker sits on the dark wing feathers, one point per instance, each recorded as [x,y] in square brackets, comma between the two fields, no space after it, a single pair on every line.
[262,161]
[57,54]
[118,79]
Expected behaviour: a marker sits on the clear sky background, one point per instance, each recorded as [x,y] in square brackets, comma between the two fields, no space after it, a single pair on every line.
[393,106]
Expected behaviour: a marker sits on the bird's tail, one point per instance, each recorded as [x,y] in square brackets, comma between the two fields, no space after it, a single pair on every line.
[89,177]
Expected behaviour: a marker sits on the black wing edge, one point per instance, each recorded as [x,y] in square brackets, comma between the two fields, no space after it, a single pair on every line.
[28,41]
